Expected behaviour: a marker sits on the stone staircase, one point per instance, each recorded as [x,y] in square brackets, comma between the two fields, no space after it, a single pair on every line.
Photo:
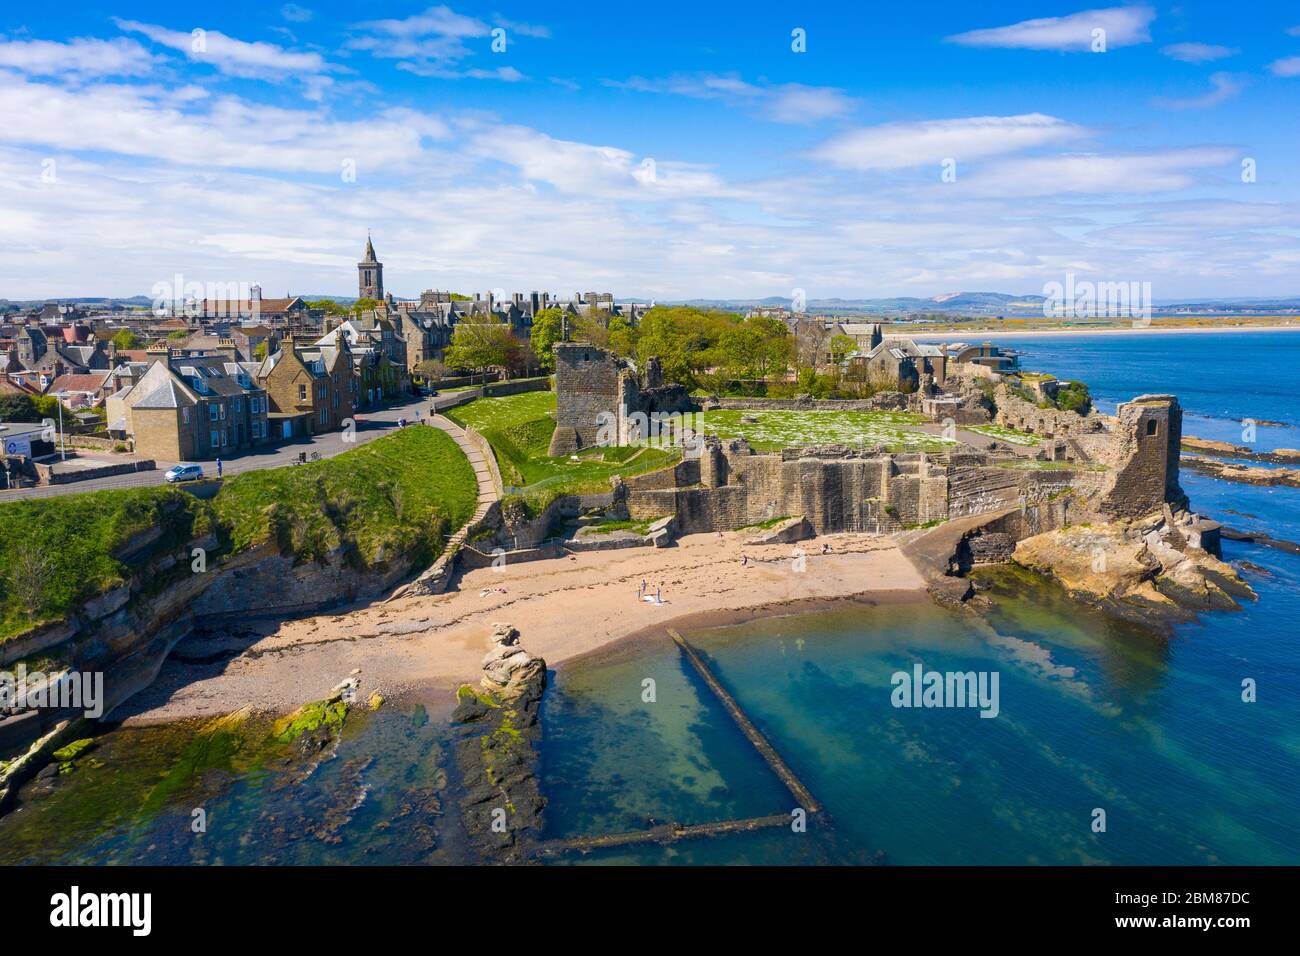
[487,492]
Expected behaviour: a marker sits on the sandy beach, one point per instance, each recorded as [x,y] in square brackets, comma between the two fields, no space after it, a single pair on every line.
[563,608]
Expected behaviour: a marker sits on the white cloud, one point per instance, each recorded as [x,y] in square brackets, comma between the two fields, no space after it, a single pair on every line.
[233,57]
[1198,52]
[904,145]
[1224,87]
[184,128]
[295,14]
[434,43]
[1288,66]
[795,103]
[584,169]
[1123,26]
[81,57]
[782,103]
[1099,174]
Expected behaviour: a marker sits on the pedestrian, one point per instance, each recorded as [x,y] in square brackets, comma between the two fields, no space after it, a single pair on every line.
[218,467]
[659,597]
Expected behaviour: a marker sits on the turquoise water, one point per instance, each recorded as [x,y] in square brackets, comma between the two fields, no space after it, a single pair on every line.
[1093,714]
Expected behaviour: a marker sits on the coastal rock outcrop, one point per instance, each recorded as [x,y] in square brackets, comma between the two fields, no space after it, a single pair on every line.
[502,802]
[1155,570]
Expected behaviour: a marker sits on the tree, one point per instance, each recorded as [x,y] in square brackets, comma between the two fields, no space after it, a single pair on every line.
[480,343]
[127,339]
[548,327]
[841,346]
[329,306]
[260,350]
[18,408]
[365,305]
[622,336]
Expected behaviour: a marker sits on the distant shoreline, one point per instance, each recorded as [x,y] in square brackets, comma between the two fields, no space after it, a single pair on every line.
[1115,330]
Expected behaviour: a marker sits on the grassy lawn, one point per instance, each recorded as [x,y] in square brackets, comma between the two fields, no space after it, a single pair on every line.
[773,430]
[519,428]
[1009,435]
[397,494]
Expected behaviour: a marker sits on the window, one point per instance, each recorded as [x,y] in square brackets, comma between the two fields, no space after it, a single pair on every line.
[302,393]
[1152,425]
[185,415]
[214,439]
[213,414]
[235,405]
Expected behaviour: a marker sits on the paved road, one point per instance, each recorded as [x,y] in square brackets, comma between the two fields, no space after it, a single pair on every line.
[373,424]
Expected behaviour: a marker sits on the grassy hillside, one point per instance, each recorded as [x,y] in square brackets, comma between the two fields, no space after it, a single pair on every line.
[401,493]
[390,496]
[57,552]
[519,429]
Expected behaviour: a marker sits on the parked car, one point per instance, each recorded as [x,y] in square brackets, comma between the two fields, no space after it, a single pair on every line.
[183,473]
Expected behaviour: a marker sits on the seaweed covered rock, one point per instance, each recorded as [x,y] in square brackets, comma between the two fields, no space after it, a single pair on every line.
[497,758]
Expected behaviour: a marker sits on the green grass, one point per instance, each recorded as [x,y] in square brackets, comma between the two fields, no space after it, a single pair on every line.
[774,430]
[641,526]
[1009,435]
[519,429]
[56,553]
[397,495]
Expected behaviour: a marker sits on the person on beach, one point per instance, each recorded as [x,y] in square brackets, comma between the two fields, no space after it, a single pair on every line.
[659,597]
[744,560]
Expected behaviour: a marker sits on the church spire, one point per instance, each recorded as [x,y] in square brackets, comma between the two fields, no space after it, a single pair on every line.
[370,274]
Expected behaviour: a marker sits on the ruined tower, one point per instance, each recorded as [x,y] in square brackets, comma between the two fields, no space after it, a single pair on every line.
[370,275]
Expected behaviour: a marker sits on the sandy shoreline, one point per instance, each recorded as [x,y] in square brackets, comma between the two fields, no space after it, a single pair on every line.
[564,609]
[972,334]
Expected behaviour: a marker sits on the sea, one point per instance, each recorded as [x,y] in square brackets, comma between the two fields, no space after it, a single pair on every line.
[1111,743]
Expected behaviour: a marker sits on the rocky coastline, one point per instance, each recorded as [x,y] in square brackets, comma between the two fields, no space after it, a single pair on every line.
[1156,571]
[496,754]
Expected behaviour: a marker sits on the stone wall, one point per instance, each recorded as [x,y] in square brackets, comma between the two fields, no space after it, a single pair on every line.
[1143,457]
[600,397]
[884,401]
[1014,412]
[837,489]
[589,382]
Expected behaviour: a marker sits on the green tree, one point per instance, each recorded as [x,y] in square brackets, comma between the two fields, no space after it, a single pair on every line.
[841,346]
[127,339]
[260,350]
[329,306]
[622,336]
[481,343]
[548,327]
[365,305]
[18,408]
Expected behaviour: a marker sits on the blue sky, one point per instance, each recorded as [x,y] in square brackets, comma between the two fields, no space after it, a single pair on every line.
[669,150]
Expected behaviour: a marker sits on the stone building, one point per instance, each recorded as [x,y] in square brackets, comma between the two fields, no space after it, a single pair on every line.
[599,396]
[312,388]
[190,409]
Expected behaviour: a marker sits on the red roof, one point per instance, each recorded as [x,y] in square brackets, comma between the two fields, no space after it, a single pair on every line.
[89,382]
